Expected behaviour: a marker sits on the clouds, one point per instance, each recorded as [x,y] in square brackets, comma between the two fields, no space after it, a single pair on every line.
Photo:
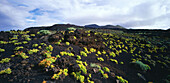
[130,14]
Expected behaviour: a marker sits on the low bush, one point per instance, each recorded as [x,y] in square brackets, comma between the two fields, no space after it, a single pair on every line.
[44,32]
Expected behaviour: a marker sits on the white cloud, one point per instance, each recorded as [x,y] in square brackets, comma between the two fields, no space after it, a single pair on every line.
[131,14]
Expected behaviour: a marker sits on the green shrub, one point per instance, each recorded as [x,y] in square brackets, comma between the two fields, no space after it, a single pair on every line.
[78,57]
[100,59]
[22,54]
[92,50]
[106,69]
[121,79]
[7,71]
[43,44]
[95,65]
[6,60]
[105,76]
[112,54]
[2,50]
[78,76]
[45,32]
[101,71]
[83,53]
[33,51]
[32,35]
[49,48]
[35,45]
[98,52]
[24,42]
[26,37]
[142,66]
[57,43]
[83,68]
[19,47]
[67,43]
[114,60]
[58,56]
[71,29]
[47,54]
[62,72]
[3,42]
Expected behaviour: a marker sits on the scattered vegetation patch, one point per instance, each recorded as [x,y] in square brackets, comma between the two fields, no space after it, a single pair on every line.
[7,71]
[142,66]
[86,55]
[44,32]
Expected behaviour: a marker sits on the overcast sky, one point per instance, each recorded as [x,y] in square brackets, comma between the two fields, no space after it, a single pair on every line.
[147,14]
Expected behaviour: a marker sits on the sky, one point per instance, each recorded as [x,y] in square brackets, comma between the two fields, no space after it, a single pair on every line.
[135,14]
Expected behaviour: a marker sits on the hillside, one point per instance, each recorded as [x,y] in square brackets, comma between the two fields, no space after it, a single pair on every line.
[117,27]
[69,53]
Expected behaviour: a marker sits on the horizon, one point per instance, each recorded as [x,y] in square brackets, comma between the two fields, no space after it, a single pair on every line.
[83,26]
[136,14]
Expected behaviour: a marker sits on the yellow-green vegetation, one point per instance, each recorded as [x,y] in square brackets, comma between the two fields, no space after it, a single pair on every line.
[32,35]
[78,76]
[106,69]
[105,75]
[57,43]
[58,56]
[39,47]
[71,29]
[2,50]
[82,66]
[100,59]
[49,48]
[47,54]
[22,54]
[3,42]
[61,72]
[75,37]
[66,53]
[19,47]
[88,79]
[5,60]
[104,52]
[14,37]
[35,45]
[26,37]
[78,57]
[12,55]
[95,65]
[83,53]
[18,43]
[43,44]
[98,52]
[92,50]
[67,43]
[121,62]
[143,66]
[86,50]
[44,32]
[106,46]
[24,42]
[112,54]
[47,61]
[33,51]
[114,60]
[7,71]
[121,79]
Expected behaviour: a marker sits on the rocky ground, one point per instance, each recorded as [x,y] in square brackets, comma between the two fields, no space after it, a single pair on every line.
[81,55]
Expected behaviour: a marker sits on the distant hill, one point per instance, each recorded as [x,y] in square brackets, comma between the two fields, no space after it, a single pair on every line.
[54,27]
[92,26]
[117,27]
[65,26]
